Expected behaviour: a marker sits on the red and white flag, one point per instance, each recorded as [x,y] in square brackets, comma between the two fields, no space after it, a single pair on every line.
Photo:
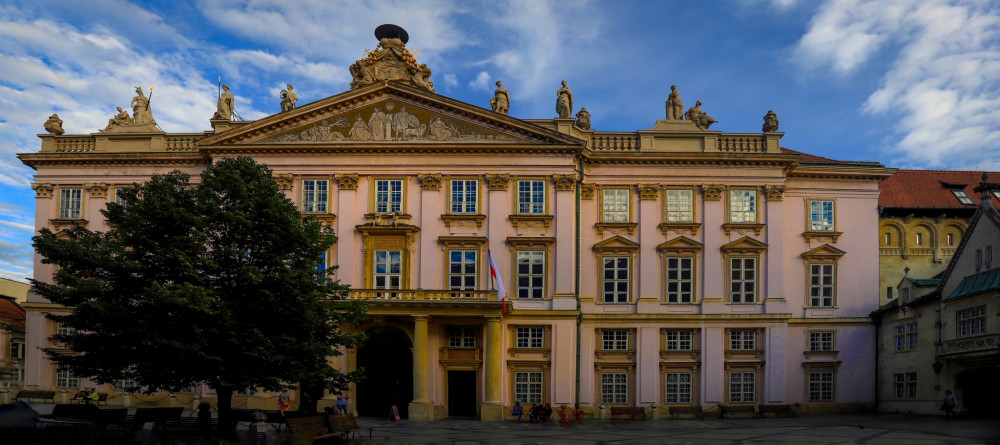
[501,292]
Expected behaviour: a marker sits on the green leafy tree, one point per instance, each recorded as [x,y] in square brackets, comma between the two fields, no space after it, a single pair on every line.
[214,282]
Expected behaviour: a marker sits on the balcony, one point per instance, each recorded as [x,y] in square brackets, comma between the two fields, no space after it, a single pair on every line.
[485,296]
[407,302]
[968,347]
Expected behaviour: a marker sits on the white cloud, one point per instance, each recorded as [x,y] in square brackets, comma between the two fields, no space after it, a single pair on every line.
[481,82]
[942,83]
[450,81]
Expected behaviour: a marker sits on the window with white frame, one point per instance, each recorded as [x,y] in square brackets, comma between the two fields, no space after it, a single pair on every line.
[900,338]
[821,285]
[315,193]
[963,197]
[905,385]
[821,215]
[17,350]
[15,378]
[462,271]
[742,339]
[388,195]
[677,387]
[615,203]
[680,279]
[70,203]
[66,379]
[127,383]
[680,205]
[614,388]
[742,206]
[971,321]
[119,197]
[911,385]
[988,254]
[530,274]
[387,270]
[462,337]
[911,335]
[464,195]
[528,387]
[742,280]
[821,386]
[63,329]
[614,340]
[742,387]
[531,196]
[530,337]
[680,340]
[615,279]
[979,259]
[821,341]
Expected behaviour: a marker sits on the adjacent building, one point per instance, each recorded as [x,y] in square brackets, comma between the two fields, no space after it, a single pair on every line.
[12,344]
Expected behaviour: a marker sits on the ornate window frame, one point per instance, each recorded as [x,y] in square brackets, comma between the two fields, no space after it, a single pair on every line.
[603,224]
[825,255]
[479,196]
[301,180]
[831,235]
[535,243]
[616,246]
[474,243]
[745,247]
[820,367]
[680,247]
[680,227]
[373,182]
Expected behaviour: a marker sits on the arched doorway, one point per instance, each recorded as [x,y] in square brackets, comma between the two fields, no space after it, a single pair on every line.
[980,391]
[388,361]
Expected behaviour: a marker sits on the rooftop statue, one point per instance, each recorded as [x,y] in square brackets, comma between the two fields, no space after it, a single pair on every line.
[54,125]
[122,119]
[564,101]
[583,119]
[700,118]
[142,114]
[224,110]
[675,106]
[501,100]
[390,61]
[770,122]
[288,98]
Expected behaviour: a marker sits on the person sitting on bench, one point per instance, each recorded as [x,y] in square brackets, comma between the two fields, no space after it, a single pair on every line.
[533,413]
[544,413]
[518,410]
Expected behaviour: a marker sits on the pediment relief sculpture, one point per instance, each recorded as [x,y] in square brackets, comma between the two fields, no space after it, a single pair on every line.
[390,61]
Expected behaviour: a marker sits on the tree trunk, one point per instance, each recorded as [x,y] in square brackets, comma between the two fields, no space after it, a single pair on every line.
[225,405]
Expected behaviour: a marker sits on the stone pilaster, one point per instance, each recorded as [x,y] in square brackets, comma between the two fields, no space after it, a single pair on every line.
[420,407]
[492,409]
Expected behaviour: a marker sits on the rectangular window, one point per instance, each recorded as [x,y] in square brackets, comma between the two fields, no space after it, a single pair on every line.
[742,280]
[17,350]
[462,337]
[680,206]
[15,379]
[680,279]
[979,259]
[888,293]
[530,338]
[821,215]
[899,385]
[531,196]
[988,261]
[70,203]
[821,341]
[62,329]
[911,385]
[900,338]
[388,195]
[821,386]
[821,285]
[315,194]
[388,273]
[911,335]
[920,239]
[742,387]
[615,203]
[742,340]
[616,279]
[528,387]
[677,387]
[681,340]
[464,195]
[462,271]
[614,340]
[742,206]
[66,379]
[951,239]
[962,197]
[971,321]
[614,388]
[530,274]
[119,198]
[888,238]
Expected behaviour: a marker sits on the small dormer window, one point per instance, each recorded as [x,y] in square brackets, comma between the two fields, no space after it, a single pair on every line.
[962,197]
[996,194]
[904,293]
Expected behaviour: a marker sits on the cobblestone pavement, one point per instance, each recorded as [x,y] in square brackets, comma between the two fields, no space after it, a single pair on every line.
[811,429]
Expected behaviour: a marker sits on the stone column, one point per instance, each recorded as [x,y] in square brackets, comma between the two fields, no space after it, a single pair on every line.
[420,407]
[492,408]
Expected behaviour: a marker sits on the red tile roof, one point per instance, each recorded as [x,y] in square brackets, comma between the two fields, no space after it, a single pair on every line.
[931,189]
[807,158]
[11,313]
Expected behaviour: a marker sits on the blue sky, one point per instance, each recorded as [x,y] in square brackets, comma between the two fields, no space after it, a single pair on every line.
[912,84]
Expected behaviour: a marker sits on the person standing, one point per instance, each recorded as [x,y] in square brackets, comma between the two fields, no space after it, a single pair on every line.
[284,402]
[949,404]
[342,402]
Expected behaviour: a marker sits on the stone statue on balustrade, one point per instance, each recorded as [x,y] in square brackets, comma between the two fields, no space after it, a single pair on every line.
[54,125]
[675,106]
[564,101]
[501,99]
[288,98]
[224,110]
[119,121]
[700,118]
[583,119]
[142,114]
[770,122]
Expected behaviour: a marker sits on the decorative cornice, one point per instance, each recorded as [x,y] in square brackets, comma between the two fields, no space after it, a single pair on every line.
[564,183]
[587,191]
[774,192]
[497,182]
[648,191]
[712,192]
[430,181]
[284,181]
[42,189]
[347,181]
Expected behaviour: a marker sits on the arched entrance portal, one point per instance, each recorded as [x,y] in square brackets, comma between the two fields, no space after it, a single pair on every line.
[388,361]
[980,391]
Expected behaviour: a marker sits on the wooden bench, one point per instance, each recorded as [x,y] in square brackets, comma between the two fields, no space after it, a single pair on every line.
[36,394]
[785,410]
[726,410]
[346,424]
[687,410]
[102,398]
[627,414]
[161,417]
[568,417]
[309,429]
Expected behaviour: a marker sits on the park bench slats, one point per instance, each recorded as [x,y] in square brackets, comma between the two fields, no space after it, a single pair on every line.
[309,429]
[346,424]
[627,414]
[689,410]
[727,410]
[36,395]
[785,410]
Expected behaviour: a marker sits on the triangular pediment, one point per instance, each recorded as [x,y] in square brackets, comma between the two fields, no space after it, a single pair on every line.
[388,115]
[681,244]
[745,244]
[616,243]
[824,252]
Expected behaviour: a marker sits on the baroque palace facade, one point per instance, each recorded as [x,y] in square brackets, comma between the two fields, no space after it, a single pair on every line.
[670,266]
